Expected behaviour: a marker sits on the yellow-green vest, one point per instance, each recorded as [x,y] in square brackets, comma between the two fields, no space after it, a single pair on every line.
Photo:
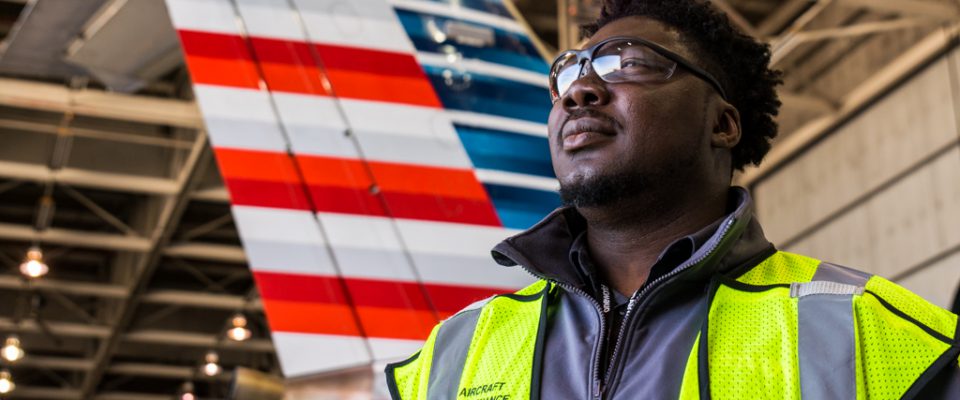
[775,332]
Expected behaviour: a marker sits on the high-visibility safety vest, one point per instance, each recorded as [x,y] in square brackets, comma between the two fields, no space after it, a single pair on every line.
[789,328]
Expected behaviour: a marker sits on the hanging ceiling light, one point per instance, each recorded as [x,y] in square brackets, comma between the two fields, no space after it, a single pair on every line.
[211,366]
[6,382]
[239,332]
[186,391]
[12,352]
[33,266]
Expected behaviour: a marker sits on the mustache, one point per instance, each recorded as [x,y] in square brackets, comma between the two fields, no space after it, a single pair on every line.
[587,113]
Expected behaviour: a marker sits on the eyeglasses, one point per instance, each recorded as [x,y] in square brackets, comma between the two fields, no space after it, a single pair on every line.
[621,59]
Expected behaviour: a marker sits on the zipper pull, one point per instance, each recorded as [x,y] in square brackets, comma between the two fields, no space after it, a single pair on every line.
[606,298]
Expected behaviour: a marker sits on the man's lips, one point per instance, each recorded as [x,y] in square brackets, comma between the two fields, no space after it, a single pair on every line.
[583,132]
[580,140]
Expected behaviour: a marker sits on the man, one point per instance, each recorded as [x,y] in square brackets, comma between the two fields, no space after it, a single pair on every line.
[655,280]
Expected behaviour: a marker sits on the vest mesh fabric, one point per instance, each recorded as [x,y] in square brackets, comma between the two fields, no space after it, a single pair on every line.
[500,358]
[893,352]
[916,307]
[781,268]
[690,388]
[752,357]
[412,376]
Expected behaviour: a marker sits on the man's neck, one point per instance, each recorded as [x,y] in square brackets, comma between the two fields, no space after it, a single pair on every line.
[625,240]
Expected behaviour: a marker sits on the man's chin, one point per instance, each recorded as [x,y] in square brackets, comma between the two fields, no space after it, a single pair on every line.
[601,190]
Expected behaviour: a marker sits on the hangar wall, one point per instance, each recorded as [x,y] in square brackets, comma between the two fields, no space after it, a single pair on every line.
[881,192]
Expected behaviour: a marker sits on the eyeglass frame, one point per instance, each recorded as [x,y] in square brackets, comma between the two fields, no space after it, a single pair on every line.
[589,53]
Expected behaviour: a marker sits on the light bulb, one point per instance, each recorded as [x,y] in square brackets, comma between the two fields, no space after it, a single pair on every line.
[12,351]
[6,382]
[238,321]
[239,332]
[211,367]
[33,266]
[186,391]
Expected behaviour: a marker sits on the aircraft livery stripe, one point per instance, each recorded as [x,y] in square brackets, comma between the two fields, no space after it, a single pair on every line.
[364,24]
[487,12]
[503,47]
[372,292]
[489,95]
[289,66]
[520,207]
[349,173]
[506,151]
[230,66]
[368,248]
[286,297]
[270,179]
[290,316]
[357,201]
[314,125]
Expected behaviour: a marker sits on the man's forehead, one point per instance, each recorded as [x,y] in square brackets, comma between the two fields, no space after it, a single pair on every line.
[642,27]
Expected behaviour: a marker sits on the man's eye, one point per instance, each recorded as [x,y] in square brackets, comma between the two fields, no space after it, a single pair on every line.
[637,64]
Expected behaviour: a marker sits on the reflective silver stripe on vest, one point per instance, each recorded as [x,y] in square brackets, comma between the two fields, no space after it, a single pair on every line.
[826,338]
[805,289]
[451,346]
[836,273]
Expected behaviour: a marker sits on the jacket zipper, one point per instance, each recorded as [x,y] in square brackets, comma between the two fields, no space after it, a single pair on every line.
[598,387]
[595,384]
[634,300]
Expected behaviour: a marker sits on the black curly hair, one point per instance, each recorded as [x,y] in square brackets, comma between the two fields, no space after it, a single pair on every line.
[738,61]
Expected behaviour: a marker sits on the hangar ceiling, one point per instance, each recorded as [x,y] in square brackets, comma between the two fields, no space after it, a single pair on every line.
[106,166]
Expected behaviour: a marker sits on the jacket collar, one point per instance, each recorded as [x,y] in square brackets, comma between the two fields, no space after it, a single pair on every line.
[544,249]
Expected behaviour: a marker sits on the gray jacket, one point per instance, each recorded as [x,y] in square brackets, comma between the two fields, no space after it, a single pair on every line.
[648,355]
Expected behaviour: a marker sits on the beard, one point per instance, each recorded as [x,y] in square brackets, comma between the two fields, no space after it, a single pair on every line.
[603,190]
[651,186]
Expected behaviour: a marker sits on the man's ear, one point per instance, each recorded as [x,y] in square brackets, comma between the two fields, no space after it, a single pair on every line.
[726,127]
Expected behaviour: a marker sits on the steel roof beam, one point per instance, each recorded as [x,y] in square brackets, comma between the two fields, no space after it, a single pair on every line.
[735,17]
[68,329]
[66,287]
[164,371]
[98,103]
[940,10]
[202,340]
[202,300]
[213,195]
[75,238]
[806,102]
[782,16]
[208,252]
[99,134]
[45,393]
[87,178]
[54,363]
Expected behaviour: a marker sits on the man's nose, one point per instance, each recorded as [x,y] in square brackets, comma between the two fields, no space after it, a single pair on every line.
[588,90]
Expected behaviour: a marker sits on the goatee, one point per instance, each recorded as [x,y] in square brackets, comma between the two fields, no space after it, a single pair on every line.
[603,190]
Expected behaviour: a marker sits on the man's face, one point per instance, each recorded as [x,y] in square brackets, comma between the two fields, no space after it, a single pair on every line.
[613,140]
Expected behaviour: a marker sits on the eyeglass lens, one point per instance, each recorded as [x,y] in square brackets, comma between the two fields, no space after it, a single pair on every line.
[615,61]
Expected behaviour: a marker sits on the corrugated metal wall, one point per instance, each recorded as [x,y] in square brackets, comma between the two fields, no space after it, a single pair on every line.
[882,192]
